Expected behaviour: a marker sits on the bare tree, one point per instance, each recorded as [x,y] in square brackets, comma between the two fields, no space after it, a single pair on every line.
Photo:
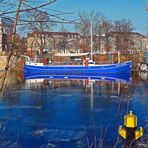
[83,28]
[38,22]
[63,41]
[107,28]
[145,7]
[100,26]
[122,29]
[145,3]
[9,7]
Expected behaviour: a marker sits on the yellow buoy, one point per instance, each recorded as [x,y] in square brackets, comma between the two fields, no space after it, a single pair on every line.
[122,132]
[130,131]
[138,133]
[130,120]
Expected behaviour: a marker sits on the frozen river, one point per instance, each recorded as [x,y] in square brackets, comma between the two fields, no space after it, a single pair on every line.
[65,113]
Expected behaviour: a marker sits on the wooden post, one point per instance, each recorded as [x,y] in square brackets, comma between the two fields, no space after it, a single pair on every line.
[119,57]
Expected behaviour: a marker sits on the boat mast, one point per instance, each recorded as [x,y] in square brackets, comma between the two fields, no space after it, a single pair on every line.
[91,42]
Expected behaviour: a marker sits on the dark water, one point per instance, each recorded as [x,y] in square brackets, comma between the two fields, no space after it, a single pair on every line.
[65,113]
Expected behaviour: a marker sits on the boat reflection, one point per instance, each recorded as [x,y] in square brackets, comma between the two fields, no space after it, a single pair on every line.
[104,87]
[103,76]
[117,91]
[87,80]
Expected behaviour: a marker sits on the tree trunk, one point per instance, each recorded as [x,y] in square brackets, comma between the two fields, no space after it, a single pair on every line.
[12,45]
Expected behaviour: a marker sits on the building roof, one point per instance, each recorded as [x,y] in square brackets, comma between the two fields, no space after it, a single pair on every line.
[71,54]
[130,33]
[53,33]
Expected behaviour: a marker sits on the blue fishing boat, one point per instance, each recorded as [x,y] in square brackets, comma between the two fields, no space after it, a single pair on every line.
[38,69]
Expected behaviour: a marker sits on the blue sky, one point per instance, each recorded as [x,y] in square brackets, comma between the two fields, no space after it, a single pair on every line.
[112,9]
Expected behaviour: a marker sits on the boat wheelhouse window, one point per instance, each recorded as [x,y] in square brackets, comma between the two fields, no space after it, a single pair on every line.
[77,59]
[91,62]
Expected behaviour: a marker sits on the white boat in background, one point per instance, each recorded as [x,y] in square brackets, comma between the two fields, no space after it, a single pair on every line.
[143,66]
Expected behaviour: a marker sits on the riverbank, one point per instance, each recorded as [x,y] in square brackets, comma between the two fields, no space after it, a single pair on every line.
[13,70]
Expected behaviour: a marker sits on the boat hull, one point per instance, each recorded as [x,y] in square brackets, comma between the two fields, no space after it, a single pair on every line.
[76,70]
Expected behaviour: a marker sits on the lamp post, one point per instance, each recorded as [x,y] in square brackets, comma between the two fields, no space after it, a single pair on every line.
[91,42]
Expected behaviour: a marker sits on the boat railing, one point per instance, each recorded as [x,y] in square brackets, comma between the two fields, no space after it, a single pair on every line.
[54,62]
[47,61]
[103,62]
[67,63]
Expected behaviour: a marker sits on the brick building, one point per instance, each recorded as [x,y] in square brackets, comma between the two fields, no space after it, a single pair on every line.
[53,41]
[133,41]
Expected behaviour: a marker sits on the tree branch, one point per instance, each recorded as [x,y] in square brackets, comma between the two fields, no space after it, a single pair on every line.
[33,8]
